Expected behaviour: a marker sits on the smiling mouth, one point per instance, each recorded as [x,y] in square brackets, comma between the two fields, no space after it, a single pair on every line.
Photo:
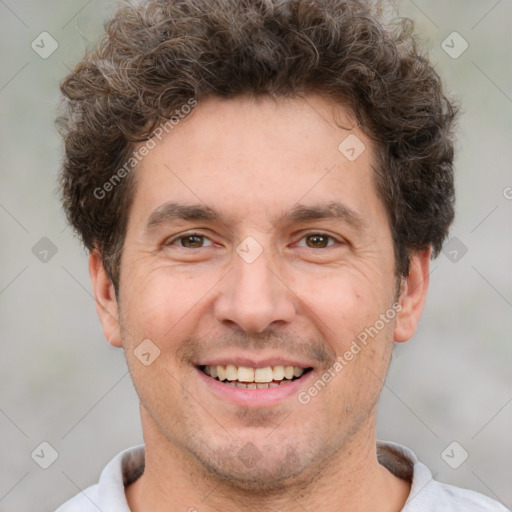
[254,378]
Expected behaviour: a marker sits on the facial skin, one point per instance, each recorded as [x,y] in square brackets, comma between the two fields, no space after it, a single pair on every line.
[260,166]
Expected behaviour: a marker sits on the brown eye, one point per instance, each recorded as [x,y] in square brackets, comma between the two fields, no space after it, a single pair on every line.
[318,241]
[191,241]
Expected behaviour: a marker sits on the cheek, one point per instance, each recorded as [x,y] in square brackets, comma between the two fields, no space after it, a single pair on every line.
[343,302]
[162,303]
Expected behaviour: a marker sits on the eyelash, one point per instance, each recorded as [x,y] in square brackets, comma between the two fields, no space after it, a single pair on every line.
[172,241]
[182,236]
[321,234]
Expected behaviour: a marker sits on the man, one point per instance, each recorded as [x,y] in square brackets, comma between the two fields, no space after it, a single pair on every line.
[261,186]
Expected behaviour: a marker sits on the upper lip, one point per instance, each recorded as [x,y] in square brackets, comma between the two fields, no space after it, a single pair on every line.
[251,362]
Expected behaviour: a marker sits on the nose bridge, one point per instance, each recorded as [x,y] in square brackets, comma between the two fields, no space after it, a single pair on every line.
[253,297]
[254,279]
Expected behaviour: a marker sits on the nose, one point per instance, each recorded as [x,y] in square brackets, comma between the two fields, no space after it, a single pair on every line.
[253,297]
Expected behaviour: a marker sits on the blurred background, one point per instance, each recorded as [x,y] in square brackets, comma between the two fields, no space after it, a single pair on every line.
[449,392]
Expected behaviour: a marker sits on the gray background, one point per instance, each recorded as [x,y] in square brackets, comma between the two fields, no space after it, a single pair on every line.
[62,383]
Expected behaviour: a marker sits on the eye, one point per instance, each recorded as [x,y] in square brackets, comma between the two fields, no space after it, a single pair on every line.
[191,241]
[317,241]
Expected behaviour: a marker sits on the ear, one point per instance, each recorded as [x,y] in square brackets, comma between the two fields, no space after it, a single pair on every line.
[106,301]
[413,294]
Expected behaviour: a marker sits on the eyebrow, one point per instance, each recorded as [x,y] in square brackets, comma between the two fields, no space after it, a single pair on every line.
[336,210]
[171,211]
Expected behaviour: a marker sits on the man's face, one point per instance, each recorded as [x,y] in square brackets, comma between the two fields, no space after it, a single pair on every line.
[253,241]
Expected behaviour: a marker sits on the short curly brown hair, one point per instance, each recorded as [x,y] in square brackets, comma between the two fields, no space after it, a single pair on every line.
[158,54]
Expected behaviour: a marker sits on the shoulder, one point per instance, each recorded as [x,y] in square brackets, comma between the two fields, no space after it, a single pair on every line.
[109,493]
[427,494]
[84,500]
[440,496]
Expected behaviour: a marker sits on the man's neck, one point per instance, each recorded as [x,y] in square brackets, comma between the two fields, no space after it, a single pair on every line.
[356,483]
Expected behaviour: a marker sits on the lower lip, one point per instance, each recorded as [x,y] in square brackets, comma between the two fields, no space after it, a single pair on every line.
[259,397]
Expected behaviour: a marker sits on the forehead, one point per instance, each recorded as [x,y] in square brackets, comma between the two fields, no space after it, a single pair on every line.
[255,157]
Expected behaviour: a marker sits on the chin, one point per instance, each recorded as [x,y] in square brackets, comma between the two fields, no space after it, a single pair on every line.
[256,467]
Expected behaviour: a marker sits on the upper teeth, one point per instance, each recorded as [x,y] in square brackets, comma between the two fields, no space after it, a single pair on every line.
[245,374]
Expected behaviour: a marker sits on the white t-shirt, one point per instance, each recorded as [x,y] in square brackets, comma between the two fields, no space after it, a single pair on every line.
[427,495]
